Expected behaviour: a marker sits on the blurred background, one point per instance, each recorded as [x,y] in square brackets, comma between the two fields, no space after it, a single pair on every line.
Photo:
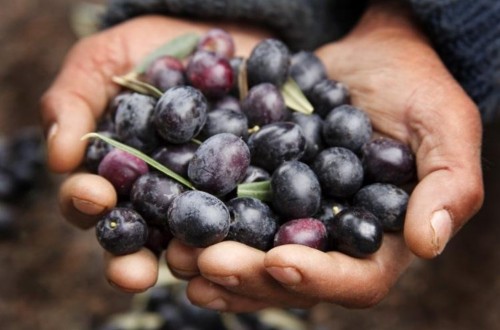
[51,274]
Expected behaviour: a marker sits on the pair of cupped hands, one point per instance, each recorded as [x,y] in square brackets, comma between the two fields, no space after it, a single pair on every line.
[392,72]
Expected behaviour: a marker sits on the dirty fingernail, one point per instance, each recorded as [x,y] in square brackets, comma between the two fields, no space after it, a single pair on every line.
[217,304]
[224,280]
[123,289]
[285,275]
[52,131]
[87,207]
[183,274]
[441,226]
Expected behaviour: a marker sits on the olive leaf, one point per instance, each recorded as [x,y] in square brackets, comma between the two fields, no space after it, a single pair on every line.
[295,98]
[260,190]
[131,82]
[142,156]
[179,47]
[243,80]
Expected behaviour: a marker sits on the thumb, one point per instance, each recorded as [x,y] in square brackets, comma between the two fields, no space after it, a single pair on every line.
[336,277]
[450,190]
[77,98]
[439,206]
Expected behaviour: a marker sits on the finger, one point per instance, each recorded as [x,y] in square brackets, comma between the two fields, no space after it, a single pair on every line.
[182,260]
[337,278]
[240,269]
[78,97]
[83,198]
[84,85]
[206,294]
[450,191]
[134,272]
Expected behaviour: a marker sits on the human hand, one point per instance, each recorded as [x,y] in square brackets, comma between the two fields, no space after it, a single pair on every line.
[79,96]
[394,74]
[230,283]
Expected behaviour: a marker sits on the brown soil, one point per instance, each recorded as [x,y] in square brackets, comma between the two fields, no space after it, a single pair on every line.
[51,274]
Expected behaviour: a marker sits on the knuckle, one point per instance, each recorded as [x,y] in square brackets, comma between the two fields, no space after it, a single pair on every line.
[370,291]
[374,298]
[103,55]
[47,103]
[474,194]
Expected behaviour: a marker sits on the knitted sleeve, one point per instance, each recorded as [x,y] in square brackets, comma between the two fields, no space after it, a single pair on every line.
[466,34]
[302,24]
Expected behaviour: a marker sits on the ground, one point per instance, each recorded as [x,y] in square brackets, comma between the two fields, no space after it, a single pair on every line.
[51,274]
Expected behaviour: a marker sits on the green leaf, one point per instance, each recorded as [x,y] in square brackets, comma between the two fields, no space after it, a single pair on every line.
[260,190]
[243,80]
[294,98]
[131,82]
[142,156]
[179,47]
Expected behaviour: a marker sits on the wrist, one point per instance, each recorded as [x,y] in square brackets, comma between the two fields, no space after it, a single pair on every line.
[389,17]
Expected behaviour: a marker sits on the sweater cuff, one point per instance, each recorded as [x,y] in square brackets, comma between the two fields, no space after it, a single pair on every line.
[302,24]
[466,34]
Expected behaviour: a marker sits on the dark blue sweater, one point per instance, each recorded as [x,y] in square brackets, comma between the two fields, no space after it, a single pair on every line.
[466,33]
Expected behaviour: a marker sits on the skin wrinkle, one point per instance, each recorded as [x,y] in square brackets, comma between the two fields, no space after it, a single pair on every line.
[268,295]
[213,291]
[423,137]
[105,66]
[306,281]
[340,293]
[384,268]
[427,143]
[117,59]
[375,287]
[373,294]
[93,68]
[342,273]
[429,146]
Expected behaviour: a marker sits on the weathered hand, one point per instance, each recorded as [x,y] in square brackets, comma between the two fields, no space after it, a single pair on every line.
[394,74]
[78,97]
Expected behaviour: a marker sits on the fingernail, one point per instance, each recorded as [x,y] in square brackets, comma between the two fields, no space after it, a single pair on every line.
[218,305]
[87,207]
[441,230]
[123,289]
[224,280]
[183,274]
[285,275]
[52,131]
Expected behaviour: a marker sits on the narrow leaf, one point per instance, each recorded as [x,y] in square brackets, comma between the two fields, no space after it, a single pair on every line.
[179,47]
[142,156]
[243,80]
[131,82]
[295,98]
[260,190]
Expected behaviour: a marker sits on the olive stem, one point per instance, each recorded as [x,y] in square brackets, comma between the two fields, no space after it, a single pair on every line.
[131,82]
[260,190]
[295,98]
[142,156]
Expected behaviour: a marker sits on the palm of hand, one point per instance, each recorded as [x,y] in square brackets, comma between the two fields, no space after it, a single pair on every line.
[396,78]
[399,80]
